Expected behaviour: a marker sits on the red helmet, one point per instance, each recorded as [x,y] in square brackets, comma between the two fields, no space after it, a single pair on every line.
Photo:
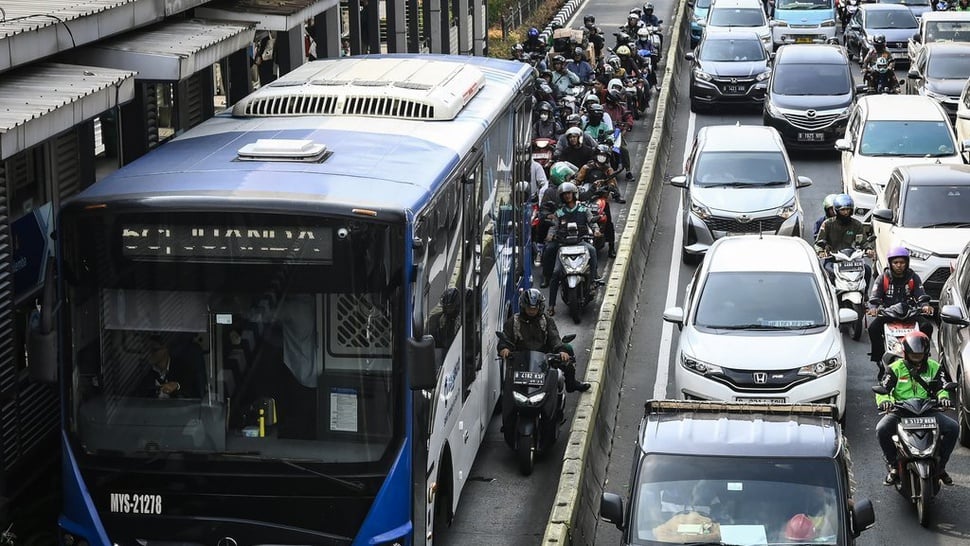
[800,527]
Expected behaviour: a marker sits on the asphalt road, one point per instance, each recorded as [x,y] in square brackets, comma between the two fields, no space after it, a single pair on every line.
[498,505]
[650,367]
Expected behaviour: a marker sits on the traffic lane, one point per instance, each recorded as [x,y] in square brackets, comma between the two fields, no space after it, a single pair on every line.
[498,505]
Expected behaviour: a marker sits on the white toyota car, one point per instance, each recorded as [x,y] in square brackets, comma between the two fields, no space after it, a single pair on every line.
[759,323]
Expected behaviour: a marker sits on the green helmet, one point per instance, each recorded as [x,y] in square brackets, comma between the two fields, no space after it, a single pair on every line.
[561,171]
[829,202]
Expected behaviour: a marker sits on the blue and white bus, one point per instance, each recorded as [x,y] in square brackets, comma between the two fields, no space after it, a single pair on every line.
[278,328]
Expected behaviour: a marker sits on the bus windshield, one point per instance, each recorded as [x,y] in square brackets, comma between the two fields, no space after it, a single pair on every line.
[247,336]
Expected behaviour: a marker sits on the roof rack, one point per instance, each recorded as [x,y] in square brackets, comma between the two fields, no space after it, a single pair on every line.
[746,408]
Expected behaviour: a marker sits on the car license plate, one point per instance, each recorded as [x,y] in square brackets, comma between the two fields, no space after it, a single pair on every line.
[736,89]
[761,400]
[803,40]
[811,137]
[532,379]
[902,56]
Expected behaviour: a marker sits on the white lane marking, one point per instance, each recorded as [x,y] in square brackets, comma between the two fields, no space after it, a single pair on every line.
[673,277]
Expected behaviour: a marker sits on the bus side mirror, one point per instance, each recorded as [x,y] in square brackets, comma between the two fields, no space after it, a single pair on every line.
[41,342]
[422,372]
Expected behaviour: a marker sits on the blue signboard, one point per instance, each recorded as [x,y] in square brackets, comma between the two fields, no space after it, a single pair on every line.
[31,247]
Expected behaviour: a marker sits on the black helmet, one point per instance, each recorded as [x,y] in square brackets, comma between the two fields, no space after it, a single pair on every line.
[916,344]
[602,151]
[558,59]
[879,40]
[544,107]
[614,96]
[595,108]
[574,120]
[450,300]
[589,20]
[532,298]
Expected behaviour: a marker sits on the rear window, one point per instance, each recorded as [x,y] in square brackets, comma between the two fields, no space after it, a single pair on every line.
[936,206]
[737,17]
[811,79]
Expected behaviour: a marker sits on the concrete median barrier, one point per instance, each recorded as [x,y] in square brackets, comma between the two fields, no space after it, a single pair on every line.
[575,511]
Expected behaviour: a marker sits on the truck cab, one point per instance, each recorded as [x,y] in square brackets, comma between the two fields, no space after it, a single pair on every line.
[739,473]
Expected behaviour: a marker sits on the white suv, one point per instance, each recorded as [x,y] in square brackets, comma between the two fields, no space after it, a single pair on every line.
[759,323]
[885,131]
[739,15]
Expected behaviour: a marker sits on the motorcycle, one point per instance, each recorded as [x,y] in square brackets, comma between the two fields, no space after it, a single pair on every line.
[901,320]
[578,286]
[849,268]
[533,402]
[880,83]
[600,203]
[542,150]
[848,9]
[917,446]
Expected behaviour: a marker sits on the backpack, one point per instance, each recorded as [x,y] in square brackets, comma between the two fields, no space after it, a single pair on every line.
[910,284]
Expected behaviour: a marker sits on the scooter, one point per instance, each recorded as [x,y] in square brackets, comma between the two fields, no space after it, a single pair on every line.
[901,320]
[577,283]
[542,149]
[917,446]
[533,402]
[849,268]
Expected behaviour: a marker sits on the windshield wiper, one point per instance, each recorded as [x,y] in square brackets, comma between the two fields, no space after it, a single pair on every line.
[948,224]
[724,184]
[753,326]
[256,456]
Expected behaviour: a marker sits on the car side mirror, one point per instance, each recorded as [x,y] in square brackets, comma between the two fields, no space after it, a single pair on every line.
[847,315]
[952,314]
[863,516]
[843,145]
[568,337]
[861,89]
[674,315]
[883,215]
[679,181]
[912,74]
[689,56]
[917,38]
[611,509]
[803,182]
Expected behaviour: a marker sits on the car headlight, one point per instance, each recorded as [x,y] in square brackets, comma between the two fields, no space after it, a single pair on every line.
[786,211]
[781,23]
[828,23]
[766,39]
[917,252]
[819,369]
[843,114]
[700,210]
[763,76]
[863,186]
[934,95]
[533,400]
[701,75]
[699,366]
[773,110]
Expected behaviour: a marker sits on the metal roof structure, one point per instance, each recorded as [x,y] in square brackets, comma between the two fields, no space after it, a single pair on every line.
[267,14]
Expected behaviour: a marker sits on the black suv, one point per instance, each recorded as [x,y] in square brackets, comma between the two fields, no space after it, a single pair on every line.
[782,476]
[809,95]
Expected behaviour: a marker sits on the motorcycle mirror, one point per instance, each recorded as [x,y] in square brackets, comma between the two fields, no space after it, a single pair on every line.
[568,337]
[950,386]
[879,389]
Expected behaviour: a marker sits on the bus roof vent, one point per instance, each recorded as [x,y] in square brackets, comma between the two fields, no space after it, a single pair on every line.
[400,88]
[268,149]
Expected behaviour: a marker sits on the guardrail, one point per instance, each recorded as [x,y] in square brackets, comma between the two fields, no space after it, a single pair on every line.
[575,511]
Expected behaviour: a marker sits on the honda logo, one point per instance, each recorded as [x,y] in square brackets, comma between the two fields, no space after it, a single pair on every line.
[760,377]
[734,80]
[810,113]
[226,541]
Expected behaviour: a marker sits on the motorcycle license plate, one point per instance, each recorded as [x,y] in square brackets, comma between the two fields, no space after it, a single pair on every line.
[542,156]
[811,137]
[531,379]
[851,267]
[736,89]
[917,422]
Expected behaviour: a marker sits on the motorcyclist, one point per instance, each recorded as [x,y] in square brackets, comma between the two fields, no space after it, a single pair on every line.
[559,172]
[897,283]
[648,16]
[576,151]
[907,378]
[962,5]
[533,43]
[570,210]
[580,66]
[597,124]
[622,118]
[573,120]
[645,44]
[636,66]
[841,231]
[598,172]
[828,210]
[546,125]
[869,62]
[633,24]
[531,330]
[604,217]
[562,77]
[595,35]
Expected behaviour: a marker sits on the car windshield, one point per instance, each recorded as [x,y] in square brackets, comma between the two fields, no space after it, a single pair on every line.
[803,4]
[949,67]
[737,17]
[815,79]
[736,500]
[760,300]
[937,205]
[907,139]
[877,19]
[740,169]
[943,31]
[732,50]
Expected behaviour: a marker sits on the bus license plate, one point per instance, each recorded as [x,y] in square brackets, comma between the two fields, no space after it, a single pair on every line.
[532,379]
[811,137]
[128,503]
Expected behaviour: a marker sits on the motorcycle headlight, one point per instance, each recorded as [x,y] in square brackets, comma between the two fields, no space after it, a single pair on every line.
[917,252]
[700,210]
[787,210]
[701,75]
[763,76]
[699,366]
[863,186]
[821,368]
[533,400]
[828,23]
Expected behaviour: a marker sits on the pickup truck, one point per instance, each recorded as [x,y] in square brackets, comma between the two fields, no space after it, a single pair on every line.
[940,26]
[739,473]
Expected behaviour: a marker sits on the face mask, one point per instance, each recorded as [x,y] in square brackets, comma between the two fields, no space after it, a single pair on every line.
[544,117]
[601,159]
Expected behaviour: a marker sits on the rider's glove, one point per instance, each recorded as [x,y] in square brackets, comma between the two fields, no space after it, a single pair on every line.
[946,403]
[885,405]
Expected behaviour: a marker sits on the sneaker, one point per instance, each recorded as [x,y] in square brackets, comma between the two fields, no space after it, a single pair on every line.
[577,387]
[629,175]
[619,200]
[891,477]
[612,254]
[552,311]
[945,478]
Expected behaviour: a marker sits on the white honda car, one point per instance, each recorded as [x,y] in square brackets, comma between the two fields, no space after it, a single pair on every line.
[760,324]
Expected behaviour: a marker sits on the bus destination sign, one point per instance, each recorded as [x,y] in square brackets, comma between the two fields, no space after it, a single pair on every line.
[310,244]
